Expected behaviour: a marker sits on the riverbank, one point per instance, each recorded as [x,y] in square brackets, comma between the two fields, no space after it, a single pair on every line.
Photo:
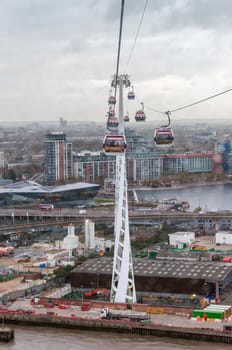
[144,329]
[163,321]
[210,197]
[178,186]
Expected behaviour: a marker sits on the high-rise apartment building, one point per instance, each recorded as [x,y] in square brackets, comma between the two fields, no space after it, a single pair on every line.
[192,163]
[58,158]
[145,163]
[142,160]
[2,163]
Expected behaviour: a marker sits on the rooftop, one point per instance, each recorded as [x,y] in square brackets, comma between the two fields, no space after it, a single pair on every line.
[32,186]
[211,272]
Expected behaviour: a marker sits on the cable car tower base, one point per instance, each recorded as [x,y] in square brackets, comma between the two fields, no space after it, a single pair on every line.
[123,284]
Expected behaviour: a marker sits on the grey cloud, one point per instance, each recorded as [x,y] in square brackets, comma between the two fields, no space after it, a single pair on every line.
[51,51]
[180,14]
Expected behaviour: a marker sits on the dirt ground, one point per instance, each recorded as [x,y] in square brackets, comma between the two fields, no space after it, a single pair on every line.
[9,261]
[10,286]
[14,284]
[209,242]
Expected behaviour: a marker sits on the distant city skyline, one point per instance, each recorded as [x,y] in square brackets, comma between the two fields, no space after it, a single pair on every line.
[57,58]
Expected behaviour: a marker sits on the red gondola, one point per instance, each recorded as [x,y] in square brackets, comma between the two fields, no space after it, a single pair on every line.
[163,137]
[131,94]
[114,144]
[126,118]
[111,100]
[112,122]
[140,116]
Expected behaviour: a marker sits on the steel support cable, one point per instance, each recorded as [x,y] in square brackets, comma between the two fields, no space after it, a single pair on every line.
[154,110]
[200,101]
[119,47]
[151,109]
[188,105]
[136,36]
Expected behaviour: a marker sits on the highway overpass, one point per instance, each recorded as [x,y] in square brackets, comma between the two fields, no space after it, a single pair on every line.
[12,219]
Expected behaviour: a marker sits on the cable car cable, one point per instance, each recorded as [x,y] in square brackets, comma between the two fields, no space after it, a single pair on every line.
[154,110]
[200,101]
[151,109]
[190,104]
[136,36]
[119,47]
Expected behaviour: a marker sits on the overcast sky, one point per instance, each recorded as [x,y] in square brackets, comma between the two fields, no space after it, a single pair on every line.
[57,57]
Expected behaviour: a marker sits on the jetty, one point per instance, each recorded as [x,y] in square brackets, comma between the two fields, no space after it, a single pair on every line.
[6,334]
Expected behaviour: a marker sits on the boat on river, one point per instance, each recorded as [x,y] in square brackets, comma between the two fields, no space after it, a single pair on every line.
[173,204]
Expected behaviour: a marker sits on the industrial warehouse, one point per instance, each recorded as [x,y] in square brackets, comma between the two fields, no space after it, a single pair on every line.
[159,276]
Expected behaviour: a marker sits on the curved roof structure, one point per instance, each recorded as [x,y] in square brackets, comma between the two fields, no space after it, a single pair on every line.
[32,186]
[30,191]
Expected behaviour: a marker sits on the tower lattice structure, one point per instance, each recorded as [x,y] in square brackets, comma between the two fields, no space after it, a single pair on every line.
[123,284]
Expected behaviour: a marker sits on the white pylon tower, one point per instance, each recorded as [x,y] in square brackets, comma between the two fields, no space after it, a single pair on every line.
[123,284]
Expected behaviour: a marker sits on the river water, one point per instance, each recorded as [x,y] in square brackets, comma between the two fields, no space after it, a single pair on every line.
[38,338]
[209,197]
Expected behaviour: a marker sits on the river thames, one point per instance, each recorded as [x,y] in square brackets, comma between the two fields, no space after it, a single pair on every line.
[208,197]
[38,338]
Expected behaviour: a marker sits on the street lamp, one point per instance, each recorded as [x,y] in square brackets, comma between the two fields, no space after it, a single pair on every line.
[27,215]
[13,221]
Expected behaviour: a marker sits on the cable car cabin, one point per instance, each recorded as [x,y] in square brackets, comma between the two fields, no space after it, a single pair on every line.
[163,137]
[114,144]
[112,122]
[111,100]
[126,118]
[140,116]
[131,95]
[111,112]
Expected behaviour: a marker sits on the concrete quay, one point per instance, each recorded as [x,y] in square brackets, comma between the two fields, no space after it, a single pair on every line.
[149,329]
[177,325]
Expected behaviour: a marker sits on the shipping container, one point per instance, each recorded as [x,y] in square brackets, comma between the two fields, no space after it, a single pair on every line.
[216,307]
[214,314]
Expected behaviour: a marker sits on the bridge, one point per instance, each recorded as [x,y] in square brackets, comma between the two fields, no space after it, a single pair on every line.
[18,219]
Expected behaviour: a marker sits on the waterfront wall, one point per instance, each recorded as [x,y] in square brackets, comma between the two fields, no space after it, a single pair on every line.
[121,326]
